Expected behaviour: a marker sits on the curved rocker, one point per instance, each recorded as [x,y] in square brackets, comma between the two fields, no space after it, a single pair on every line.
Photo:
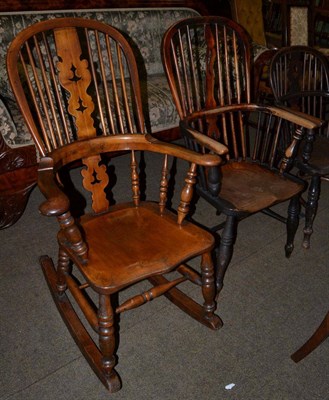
[79,333]
[314,341]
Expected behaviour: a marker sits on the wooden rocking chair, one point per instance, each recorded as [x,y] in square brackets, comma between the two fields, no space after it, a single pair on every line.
[76,82]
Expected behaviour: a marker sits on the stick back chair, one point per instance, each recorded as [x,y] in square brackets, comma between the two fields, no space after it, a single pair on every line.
[76,82]
[207,62]
[299,77]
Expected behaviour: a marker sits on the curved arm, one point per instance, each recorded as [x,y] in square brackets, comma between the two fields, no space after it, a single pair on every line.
[114,143]
[204,140]
[57,202]
[207,160]
[297,117]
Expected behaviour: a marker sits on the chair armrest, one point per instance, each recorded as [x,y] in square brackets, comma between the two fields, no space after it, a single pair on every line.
[206,160]
[204,140]
[297,117]
[57,202]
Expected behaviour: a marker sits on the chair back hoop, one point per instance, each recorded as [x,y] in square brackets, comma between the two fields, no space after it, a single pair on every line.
[207,62]
[299,76]
[76,79]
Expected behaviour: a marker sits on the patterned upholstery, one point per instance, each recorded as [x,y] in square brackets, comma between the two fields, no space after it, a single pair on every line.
[144,27]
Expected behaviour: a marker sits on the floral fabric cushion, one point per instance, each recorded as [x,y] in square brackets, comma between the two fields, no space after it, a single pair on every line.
[144,29]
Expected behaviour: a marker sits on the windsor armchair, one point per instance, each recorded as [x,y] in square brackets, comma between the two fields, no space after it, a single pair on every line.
[76,82]
[299,77]
[207,62]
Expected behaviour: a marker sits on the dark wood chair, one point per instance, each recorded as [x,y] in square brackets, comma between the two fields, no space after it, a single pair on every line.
[299,77]
[207,61]
[76,82]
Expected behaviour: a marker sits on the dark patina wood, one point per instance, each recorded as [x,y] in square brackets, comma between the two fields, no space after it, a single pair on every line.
[207,61]
[299,77]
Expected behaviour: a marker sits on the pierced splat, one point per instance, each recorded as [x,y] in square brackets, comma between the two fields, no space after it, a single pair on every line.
[75,77]
[95,179]
[210,67]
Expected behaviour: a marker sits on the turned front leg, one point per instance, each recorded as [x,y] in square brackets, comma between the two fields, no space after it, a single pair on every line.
[225,250]
[62,270]
[107,342]
[311,209]
[208,285]
[292,224]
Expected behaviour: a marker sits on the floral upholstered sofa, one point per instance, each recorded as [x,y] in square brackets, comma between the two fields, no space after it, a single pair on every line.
[144,28]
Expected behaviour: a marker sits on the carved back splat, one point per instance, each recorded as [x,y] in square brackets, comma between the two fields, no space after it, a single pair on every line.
[80,81]
[75,77]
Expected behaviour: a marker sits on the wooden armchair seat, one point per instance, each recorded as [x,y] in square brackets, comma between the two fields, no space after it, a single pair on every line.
[249,187]
[114,241]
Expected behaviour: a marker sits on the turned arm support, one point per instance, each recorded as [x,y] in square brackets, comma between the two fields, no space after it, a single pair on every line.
[57,202]
[302,122]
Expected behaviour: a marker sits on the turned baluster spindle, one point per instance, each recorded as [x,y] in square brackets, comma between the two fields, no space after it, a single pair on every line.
[208,284]
[135,180]
[186,194]
[107,338]
[73,235]
[164,185]
[62,270]
[292,149]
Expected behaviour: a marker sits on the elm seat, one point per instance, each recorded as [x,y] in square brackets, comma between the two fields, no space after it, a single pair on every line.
[242,182]
[137,257]
[56,69]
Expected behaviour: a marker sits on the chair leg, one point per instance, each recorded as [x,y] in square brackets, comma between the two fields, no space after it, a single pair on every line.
[91,352]
[107,342]
[225,250]
[292,224]
[208,286]
[314,341]
[62,270]
[311,208]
